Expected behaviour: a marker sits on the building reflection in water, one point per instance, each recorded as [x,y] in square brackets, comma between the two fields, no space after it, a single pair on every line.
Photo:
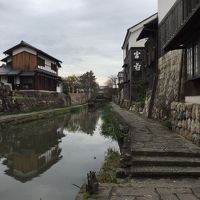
[29,150]
[84,122]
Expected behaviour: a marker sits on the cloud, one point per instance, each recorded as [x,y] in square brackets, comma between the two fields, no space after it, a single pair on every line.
[84,34]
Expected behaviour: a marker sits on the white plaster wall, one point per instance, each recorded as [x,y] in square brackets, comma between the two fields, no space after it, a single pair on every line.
[134,32]
[124,53]
[192,99]
[21,49]
[59,88]
[47,65]
[133,39]
[163,8]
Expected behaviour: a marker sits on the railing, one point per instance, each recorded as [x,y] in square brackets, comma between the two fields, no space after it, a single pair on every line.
[175,19]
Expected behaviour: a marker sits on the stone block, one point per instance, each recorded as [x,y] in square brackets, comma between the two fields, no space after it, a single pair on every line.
[197,126]
[168,197]
[189,124]
[184,124]
[179,123]
[181,190]
[173,105]
[194,112]
[193,126]
[123,191]
[182,132]
[197,114]
[127,197]
[196,191]
[186,197]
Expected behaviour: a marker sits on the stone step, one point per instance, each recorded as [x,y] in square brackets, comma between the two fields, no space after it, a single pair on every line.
[164,161]
[149,152]
[158,172]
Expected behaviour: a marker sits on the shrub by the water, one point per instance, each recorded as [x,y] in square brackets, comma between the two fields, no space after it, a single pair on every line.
[107,173]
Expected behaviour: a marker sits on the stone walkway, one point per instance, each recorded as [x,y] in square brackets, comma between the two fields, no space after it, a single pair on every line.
[148,189]
[25,117]
[150,136]
[152,150]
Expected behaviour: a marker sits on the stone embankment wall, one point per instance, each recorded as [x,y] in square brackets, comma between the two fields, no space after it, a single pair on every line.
[185,119]
[34,100]
[79,98]
[169,69]
[25,101]
[6,99]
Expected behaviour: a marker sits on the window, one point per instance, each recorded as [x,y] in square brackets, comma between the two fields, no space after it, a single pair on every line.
[193,61]
[54,67]
[196,60]
[41,62]
[189,62]
[26,80]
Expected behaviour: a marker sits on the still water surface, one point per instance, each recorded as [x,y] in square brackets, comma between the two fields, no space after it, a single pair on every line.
[42,160]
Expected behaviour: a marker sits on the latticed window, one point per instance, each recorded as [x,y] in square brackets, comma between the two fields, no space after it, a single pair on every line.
[41,62]
[189,62]
[193,61]
[53,67]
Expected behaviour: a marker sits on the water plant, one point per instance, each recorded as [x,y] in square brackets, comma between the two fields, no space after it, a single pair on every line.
[110,126]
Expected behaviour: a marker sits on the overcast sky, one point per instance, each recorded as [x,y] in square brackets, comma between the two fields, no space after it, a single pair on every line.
[84,34]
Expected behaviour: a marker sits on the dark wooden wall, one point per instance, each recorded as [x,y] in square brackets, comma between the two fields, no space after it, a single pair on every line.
[24,61]
[43,82]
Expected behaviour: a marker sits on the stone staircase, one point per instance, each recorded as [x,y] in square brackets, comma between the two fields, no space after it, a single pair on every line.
[159,164]
[150,150]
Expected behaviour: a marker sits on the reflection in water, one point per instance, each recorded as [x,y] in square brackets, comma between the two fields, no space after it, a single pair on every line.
[31,149]
[59,152]
[85,122]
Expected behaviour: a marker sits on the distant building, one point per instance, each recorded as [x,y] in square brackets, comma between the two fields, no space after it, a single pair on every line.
[28,68]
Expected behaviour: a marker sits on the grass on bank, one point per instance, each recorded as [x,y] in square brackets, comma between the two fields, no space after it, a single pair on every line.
[107,173]
[110,127]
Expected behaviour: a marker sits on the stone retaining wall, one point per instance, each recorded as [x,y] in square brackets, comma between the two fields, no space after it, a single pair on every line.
[34,100]
[79,98]
[185,119]
[6,98]
[30,100]
[167,90]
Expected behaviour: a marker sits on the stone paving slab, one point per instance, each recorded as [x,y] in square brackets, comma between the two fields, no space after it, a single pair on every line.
[147,193]
[149,189]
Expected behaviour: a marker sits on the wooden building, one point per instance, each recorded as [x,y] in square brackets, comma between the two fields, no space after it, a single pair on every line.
[28,68]
[180,29]
[134,63]
[150,33]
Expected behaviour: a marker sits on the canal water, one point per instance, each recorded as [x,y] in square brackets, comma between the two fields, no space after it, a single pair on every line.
[43,160]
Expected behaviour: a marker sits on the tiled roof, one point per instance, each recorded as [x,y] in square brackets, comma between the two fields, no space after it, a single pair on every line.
[25,44]
[7,70]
